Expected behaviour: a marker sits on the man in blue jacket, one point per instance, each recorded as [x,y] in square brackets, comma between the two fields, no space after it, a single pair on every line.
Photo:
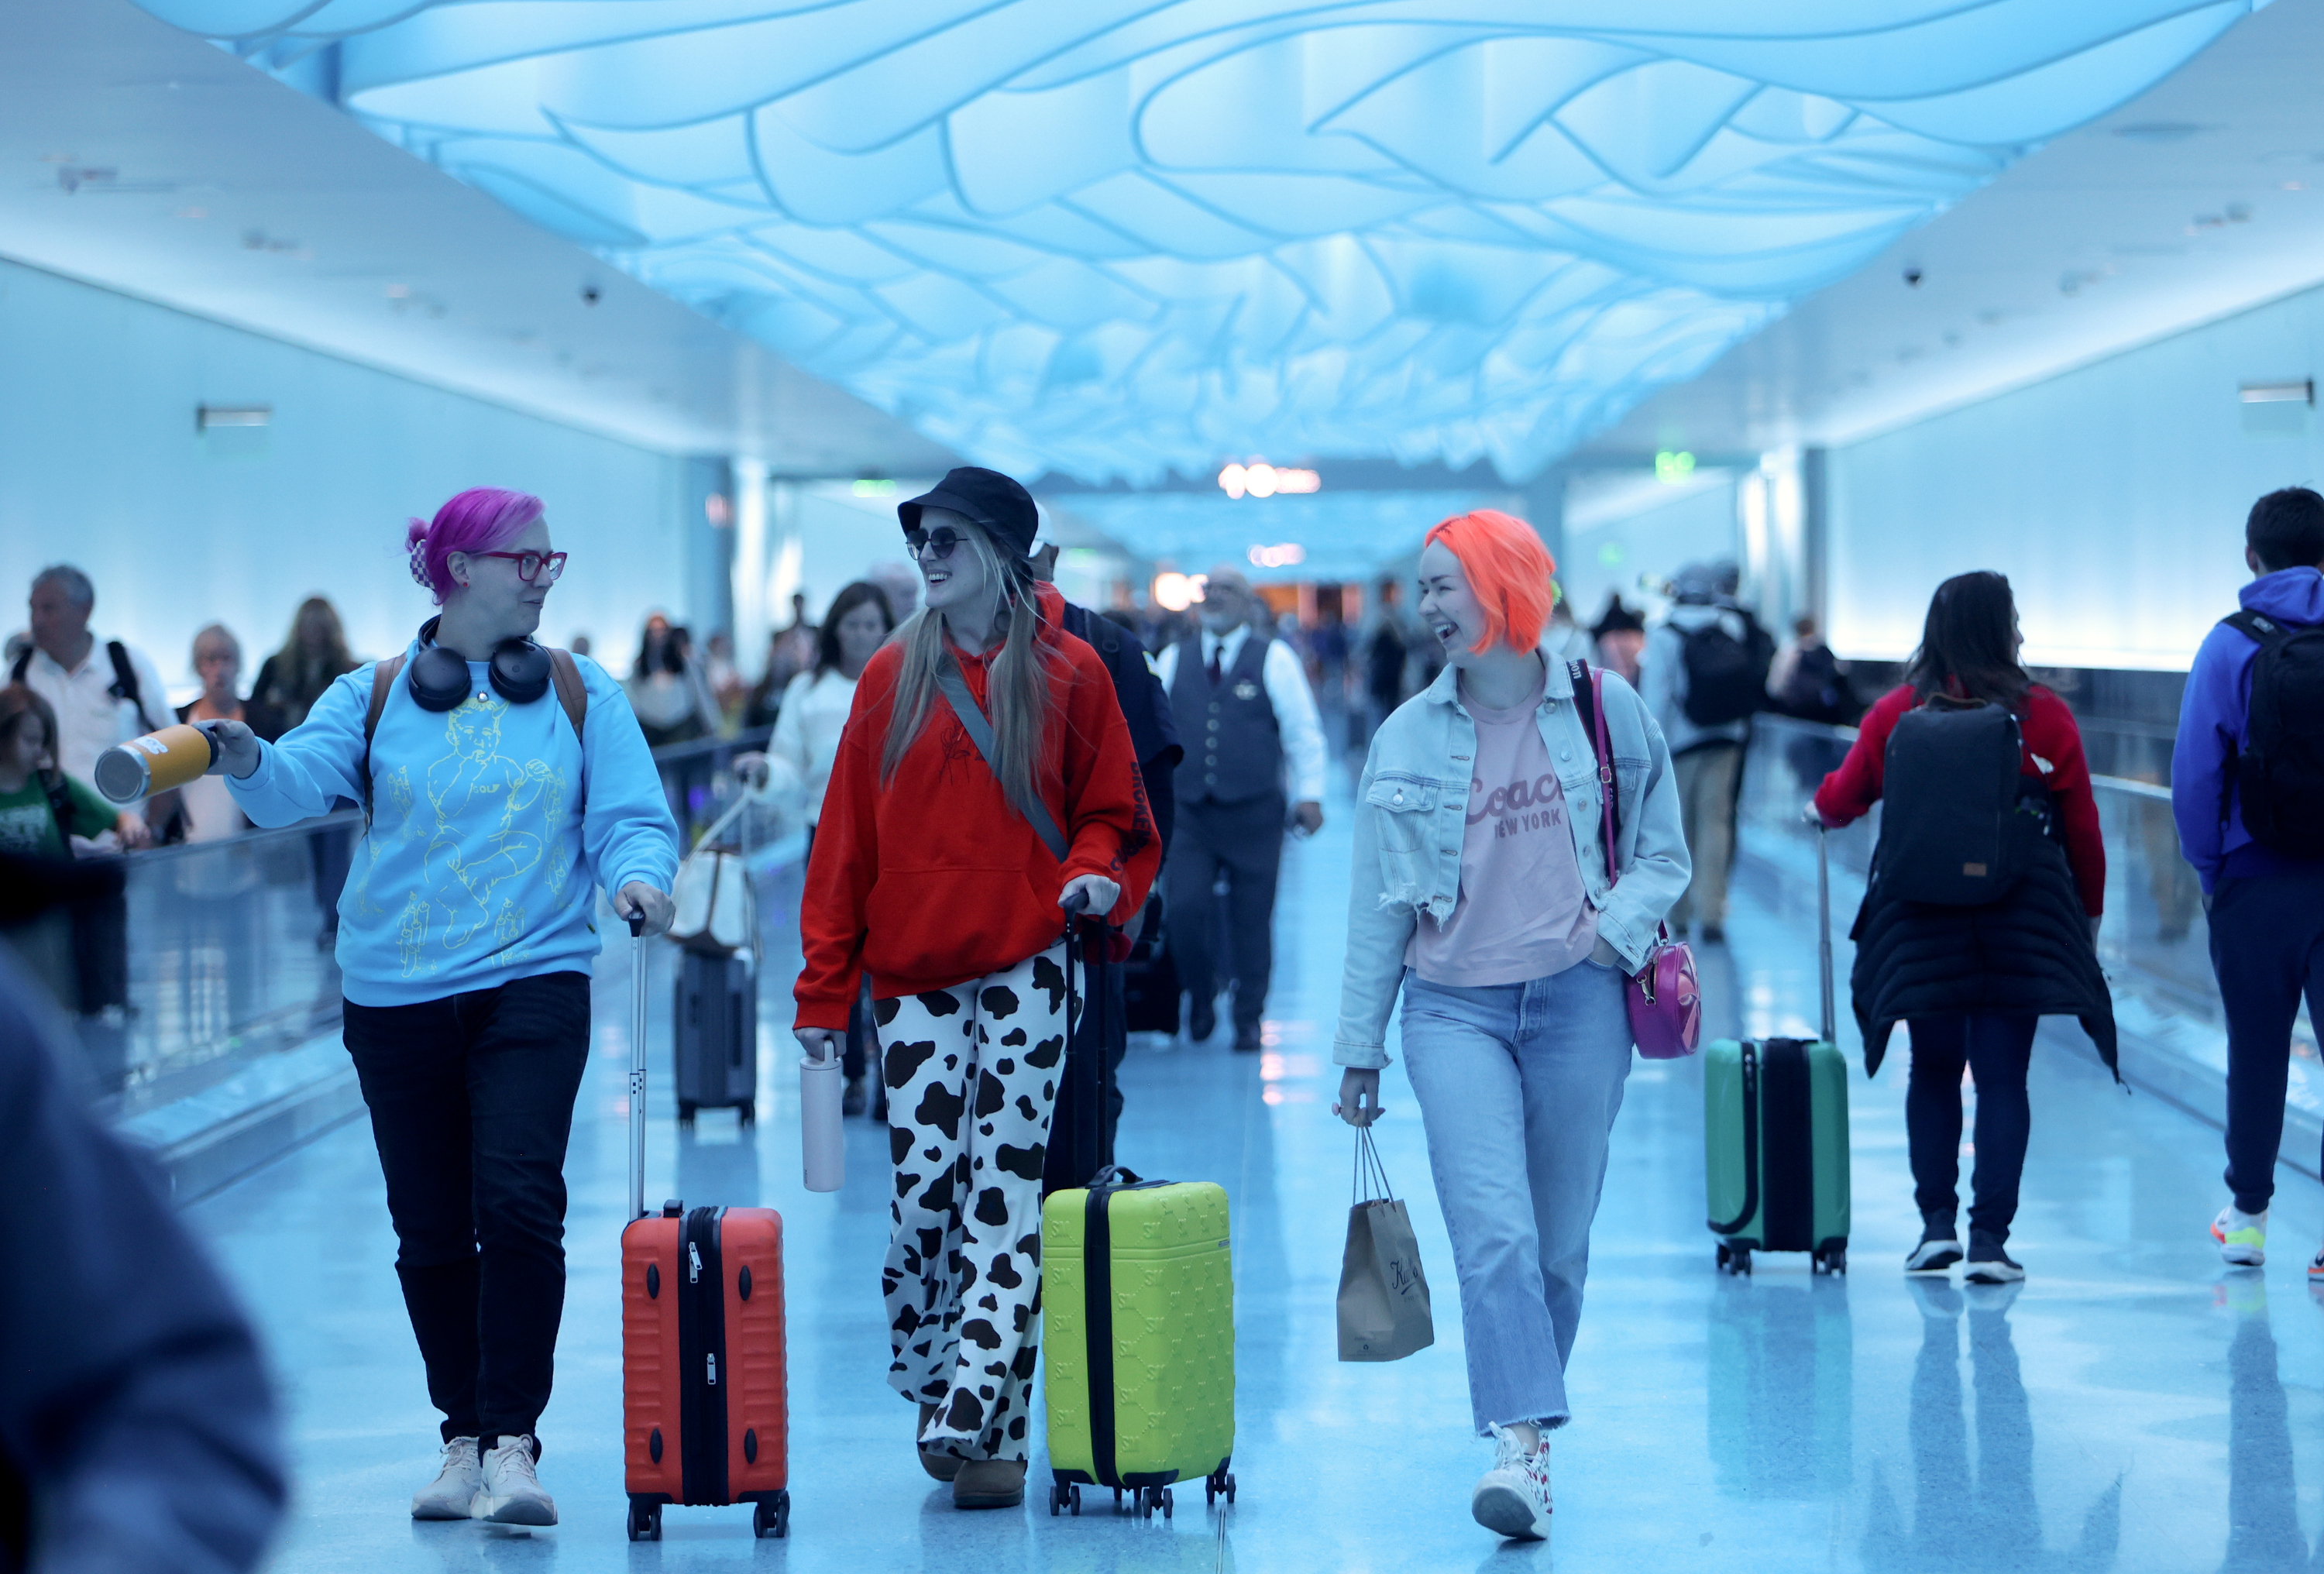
[2266,905]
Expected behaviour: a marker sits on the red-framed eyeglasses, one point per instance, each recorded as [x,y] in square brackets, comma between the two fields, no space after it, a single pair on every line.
[529,565]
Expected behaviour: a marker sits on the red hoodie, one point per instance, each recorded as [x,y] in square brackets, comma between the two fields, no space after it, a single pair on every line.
[2053,752]
[934,878]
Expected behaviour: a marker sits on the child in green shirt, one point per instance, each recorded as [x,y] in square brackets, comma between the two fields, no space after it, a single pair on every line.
[40,806]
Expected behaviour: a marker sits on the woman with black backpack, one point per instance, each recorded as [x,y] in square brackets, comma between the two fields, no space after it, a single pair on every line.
[1981,914]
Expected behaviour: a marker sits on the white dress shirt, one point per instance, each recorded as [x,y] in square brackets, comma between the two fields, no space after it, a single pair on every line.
[89,719]
[1285,682]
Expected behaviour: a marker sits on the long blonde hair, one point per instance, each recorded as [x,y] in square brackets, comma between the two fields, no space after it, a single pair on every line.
[1018,700]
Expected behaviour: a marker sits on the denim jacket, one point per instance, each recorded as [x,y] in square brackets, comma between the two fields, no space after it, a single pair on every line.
[1412,811]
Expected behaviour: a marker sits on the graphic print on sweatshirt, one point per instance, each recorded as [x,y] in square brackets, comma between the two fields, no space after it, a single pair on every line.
[1525,807]
[489,819]
[1522,911]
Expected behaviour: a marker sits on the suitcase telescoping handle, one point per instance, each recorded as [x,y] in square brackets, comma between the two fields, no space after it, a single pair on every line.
[1824,925]
[1094,1144]
[638,1066]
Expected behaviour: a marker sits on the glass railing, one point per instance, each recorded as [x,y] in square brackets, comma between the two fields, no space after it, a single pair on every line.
[219,953]
[214,952]
[2154,943]
[699,777]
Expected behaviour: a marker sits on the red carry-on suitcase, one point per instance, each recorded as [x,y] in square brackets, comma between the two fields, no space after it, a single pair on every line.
[704,1403]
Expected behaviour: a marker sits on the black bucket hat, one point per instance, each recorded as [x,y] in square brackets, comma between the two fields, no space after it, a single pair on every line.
[986,496]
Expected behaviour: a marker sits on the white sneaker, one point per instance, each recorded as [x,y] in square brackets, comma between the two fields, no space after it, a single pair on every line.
[2242,1237]
[450,1495]
[1513,1498]
[510,1493]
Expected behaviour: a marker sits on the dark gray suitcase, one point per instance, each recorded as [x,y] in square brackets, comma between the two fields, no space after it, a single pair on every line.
[715,1037]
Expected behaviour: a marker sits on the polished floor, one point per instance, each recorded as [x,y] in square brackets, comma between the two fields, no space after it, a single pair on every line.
[2132,1406]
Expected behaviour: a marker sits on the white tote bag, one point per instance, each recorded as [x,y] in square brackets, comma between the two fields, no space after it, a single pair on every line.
[712,895]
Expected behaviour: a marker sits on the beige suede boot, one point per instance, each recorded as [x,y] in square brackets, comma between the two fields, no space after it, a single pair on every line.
[989,1484]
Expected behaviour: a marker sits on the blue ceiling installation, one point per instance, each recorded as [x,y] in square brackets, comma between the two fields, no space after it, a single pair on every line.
[1112,237]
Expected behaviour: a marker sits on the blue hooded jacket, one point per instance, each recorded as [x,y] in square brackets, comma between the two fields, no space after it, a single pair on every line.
[2214,719]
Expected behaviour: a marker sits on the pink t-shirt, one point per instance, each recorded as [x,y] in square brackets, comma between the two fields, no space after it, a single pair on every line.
[1522,912]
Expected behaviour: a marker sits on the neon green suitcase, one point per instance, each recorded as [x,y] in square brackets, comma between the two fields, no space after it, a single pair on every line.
[1138,1341]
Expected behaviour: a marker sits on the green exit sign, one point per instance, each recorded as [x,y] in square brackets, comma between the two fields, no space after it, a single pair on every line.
[1672,466]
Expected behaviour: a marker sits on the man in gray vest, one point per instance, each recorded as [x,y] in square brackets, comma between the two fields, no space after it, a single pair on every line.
[1245,716]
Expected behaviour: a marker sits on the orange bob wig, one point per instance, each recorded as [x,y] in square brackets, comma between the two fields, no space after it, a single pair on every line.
[1508,571]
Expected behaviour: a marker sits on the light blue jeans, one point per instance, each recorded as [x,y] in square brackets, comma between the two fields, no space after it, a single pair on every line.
[1518,1086]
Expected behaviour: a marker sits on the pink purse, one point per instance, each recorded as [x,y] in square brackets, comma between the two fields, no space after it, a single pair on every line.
[1665,999]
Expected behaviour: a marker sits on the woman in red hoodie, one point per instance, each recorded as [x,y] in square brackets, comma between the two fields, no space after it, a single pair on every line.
[933,872]
[1974,982]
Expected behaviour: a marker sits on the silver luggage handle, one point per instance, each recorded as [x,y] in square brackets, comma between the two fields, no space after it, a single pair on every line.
[638,1066]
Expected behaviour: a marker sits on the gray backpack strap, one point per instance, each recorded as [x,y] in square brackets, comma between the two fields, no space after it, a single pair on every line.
[980,733]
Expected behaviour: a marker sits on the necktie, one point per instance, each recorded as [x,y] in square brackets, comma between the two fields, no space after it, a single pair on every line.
[1215,664]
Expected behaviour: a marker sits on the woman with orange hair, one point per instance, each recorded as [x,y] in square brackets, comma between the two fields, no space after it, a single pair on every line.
[1485,892]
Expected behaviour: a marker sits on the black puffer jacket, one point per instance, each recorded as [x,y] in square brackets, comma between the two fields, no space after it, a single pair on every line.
[2028,954]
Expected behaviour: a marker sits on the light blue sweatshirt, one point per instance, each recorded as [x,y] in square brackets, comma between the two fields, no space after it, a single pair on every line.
[482,817]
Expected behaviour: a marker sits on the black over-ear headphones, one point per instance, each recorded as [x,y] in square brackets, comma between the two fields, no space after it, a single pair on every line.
[439,677]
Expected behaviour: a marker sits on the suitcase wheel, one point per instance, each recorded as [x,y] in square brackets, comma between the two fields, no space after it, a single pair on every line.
[1734,1259]
[685,1112]
[1148,1499]
[1065,1494]
[749,1114]
[1216,1485]
[1829,1260]
[772,1520]
[645,1521]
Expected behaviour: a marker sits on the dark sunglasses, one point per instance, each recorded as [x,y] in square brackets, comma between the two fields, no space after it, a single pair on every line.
[922,544]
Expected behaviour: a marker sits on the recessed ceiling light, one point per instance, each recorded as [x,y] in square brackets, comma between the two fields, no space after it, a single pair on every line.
[2158,131]
[193,213]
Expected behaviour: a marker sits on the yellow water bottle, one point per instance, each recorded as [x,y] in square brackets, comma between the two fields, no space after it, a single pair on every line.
[154,763]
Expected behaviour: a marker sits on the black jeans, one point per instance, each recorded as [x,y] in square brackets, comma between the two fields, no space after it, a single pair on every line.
[2267,949]
[1996,1049]
[1246,841]
[471,1102]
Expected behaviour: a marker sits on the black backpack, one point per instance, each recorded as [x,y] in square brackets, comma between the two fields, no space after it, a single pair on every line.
[1725,677]
[1817,690]
[125,686]
[2280,773]
[1951,829]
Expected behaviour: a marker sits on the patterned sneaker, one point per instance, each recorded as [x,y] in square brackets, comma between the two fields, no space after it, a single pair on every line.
[1513,1497]
[454,1490]
[2242,1237]
[2316,1268]
[511,1494]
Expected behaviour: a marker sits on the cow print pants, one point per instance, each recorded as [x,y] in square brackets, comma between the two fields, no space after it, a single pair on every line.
[973,1075]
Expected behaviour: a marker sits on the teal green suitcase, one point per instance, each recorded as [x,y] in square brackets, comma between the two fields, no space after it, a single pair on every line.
[1138,1339]
[1775,1117]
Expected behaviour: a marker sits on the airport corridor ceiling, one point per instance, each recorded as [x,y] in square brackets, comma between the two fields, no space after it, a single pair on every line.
[1116,237]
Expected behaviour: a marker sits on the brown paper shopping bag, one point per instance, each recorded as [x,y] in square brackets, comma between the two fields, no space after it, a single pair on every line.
[1383,1295]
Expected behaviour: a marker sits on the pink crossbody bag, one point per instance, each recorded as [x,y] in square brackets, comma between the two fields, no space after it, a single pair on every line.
[1664,999]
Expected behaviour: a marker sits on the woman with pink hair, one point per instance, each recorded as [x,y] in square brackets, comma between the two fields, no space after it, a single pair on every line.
[504,785]
[1484,891]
